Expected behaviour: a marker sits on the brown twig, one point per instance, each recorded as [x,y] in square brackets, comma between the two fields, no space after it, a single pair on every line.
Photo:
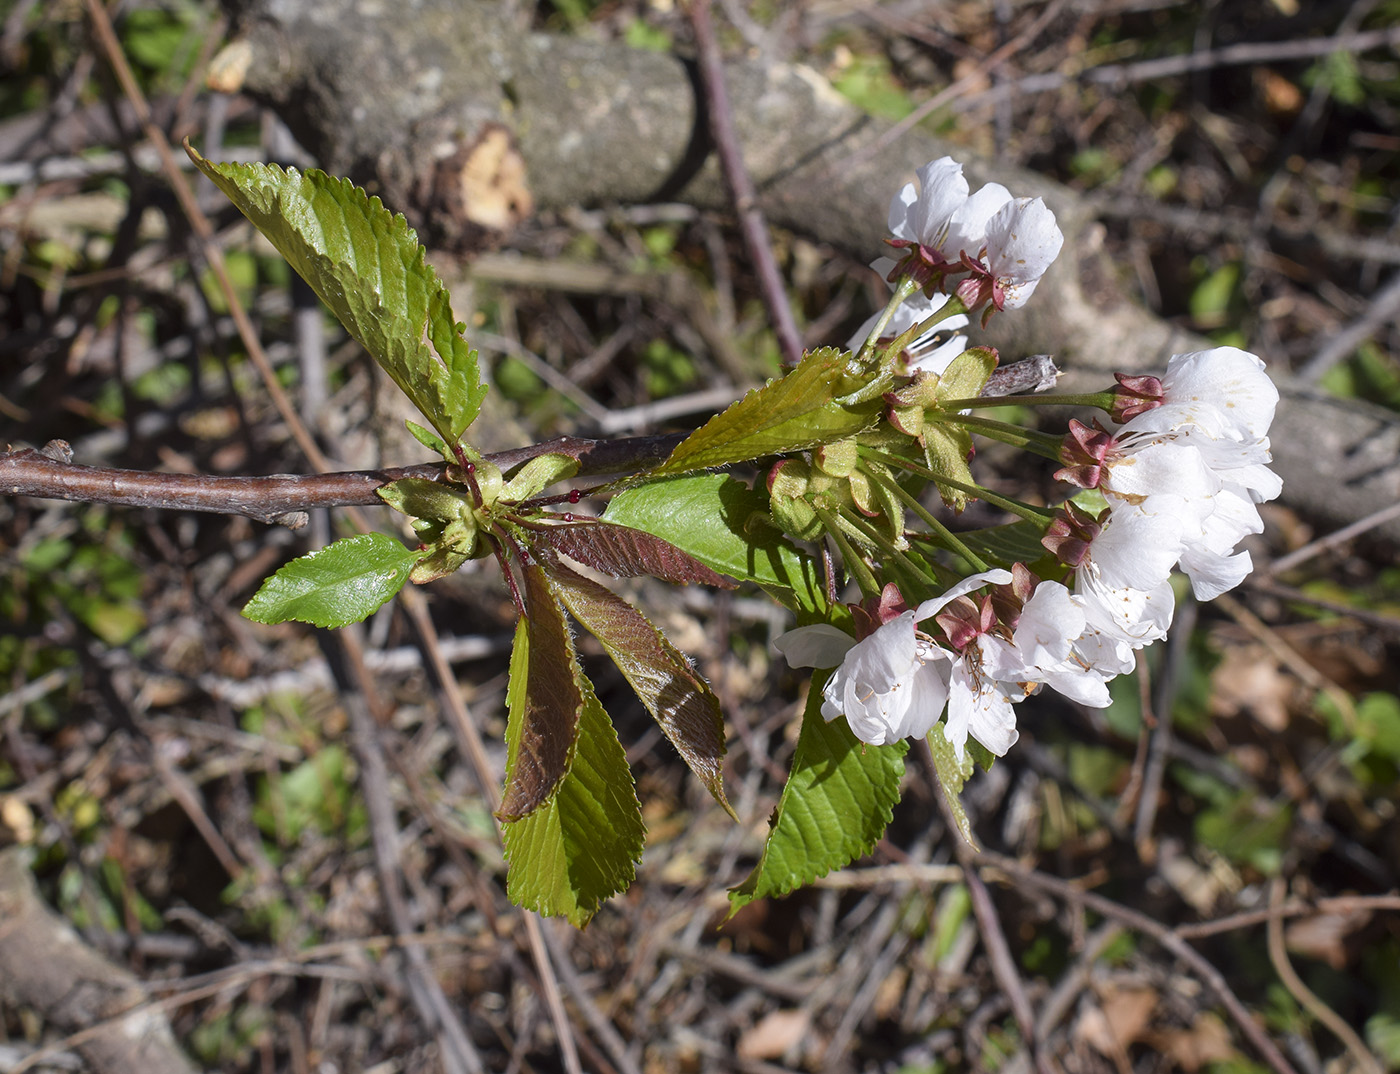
[48,473]
[1340,904]
[1299,556]
[283,498]
[741,187]
[1306,997]
[989,927]
[1252,52]
[1159,932]
[1159,749]
[345,653]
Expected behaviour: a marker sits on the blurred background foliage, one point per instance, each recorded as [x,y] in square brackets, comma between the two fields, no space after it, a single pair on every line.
[184,778]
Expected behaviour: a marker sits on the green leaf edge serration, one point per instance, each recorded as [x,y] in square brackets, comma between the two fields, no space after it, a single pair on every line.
[372,273]
[801,847]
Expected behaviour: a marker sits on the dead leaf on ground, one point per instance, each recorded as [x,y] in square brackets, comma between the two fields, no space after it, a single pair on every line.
[1206,1041]
[774,1034]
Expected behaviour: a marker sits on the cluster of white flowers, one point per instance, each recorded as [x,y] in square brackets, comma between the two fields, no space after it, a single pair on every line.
[1005,244]
[1183,474]
[899,680]
[1183,481]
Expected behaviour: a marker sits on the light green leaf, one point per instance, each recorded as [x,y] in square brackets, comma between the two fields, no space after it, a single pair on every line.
[722,522]
[583,844]
[968,374]
[344,582]
[792,413]
[428,439]
[838,800]
[365,263]
[946,449]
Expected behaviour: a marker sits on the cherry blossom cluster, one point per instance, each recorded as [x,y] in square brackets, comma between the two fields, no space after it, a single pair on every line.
[1183,478]
[1181,466]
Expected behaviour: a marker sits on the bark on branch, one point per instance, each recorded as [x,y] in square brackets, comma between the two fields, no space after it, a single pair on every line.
[283,498]
[465,120]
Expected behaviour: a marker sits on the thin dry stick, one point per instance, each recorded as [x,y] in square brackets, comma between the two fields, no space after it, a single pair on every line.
[989,926]
[1278,955]
[1339,904]
[1384,305]
[283,498]
[1164,936]
[1168,66]
[203,230]
[606,1032]
[1129,799]
[1160,749]
[1287,592]
[1338,537]
[977,74]
[1288,656]
[741,187]
[360,696]
[469,740]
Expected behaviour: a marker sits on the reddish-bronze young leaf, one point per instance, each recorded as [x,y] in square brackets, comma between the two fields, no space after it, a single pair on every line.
[627,553]
[681,702]
[553,702]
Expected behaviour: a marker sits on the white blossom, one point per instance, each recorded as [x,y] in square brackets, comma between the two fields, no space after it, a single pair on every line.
[1122,584]
[1207,445]
[1058,646]
[894,683]
[941,214]
[1022,241]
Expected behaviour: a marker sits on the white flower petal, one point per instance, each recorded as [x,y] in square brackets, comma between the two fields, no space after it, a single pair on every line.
[818,646]
[933,606]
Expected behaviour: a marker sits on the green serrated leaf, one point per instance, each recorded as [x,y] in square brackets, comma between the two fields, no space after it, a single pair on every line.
[344,582]
[681,702]
[583,844]
[952,774]
[722,522]
[366,264]
[429,440]
[791,413]
[838,800]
